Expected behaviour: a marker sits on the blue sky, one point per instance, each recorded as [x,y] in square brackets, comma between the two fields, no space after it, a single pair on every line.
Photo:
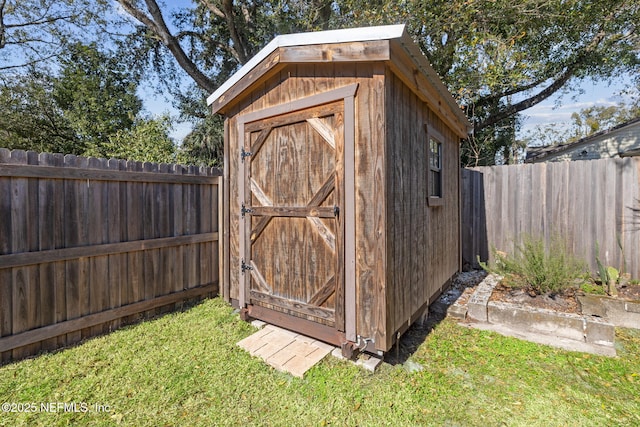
[558,108]
[157,105]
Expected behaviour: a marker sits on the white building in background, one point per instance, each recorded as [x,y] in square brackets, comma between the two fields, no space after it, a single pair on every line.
[620,141]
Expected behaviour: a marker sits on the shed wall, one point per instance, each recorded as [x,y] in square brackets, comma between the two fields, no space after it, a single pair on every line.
[422,241]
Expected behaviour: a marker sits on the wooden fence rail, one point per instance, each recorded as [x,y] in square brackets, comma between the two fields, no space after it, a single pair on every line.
[591,204]
[87,244]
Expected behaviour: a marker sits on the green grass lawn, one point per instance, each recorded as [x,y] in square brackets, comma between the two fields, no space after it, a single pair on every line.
[185,369]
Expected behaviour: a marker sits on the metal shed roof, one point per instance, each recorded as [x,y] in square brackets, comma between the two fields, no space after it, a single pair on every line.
[384,32]
[396,33]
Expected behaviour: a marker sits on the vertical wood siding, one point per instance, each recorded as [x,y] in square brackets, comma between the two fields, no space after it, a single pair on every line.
[587,203]
[423,248]
[86,244]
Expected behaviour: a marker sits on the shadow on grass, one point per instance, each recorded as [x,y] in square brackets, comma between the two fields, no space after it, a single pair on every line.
[107,327]
[413,338]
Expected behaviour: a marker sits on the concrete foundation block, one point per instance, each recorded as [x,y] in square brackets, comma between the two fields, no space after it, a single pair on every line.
[540,321]
[477,310]
[591,305]
[457,311]
[632,307]
[369,363]
[477,304]
[616,311]
[599,332]
[258,324]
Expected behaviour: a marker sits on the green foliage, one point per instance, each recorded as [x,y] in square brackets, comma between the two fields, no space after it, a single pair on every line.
[613,274]
[593,288]
[30,119]
[89,108]
[146,141]
[96,94]
[204,145]
[537,268]
[609,276]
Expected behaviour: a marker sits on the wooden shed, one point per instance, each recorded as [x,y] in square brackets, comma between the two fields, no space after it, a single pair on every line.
[341,177]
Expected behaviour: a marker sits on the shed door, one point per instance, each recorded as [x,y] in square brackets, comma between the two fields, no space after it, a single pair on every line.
[292,179]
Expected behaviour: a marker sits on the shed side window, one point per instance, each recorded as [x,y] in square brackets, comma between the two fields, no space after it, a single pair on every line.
[434,171]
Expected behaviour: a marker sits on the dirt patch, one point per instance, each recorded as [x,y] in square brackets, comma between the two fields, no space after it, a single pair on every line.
[565,301]
[462,287]
[630,292]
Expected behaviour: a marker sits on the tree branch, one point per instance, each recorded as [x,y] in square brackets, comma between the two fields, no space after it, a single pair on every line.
[214,9]
[39,22]
[157,25]
[238,50]
[239,46]
[529,102]
[490,99]
[2,26]
[26,64]
[558,83]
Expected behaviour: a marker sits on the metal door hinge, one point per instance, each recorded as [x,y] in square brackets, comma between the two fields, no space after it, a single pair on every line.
[336,211]
[244,154]
[244,266]
[245,210]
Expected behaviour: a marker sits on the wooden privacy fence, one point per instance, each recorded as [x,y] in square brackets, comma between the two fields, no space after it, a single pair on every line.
[588,203]
[88,244]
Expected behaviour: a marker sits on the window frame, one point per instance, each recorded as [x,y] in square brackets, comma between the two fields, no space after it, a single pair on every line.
[433,134]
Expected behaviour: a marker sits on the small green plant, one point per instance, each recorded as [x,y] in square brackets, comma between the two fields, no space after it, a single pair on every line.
[592,288]
[535,268]
[610,276]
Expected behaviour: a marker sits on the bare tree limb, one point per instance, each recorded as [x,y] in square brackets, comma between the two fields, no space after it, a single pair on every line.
[39,22]
[156,23]
[569,71]
[2,26]
[240,48]
[214,9]
[529,102]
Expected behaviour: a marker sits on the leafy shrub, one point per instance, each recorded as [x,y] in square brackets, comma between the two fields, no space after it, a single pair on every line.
[535,268]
